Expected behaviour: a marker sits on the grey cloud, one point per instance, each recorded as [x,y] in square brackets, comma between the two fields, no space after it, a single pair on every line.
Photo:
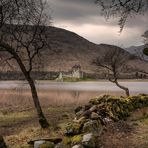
[82,12]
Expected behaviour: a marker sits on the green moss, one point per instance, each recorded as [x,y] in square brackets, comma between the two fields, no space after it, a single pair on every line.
[119,107]
[71,140]
[12,118]
[67,140]
[47,145]
[73,128]
[76,139]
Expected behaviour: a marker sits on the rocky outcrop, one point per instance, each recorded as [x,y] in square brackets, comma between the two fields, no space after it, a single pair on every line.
[91,119]
[100,111]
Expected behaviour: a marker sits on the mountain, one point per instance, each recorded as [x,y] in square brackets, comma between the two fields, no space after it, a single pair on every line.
[74,49]
[138,51]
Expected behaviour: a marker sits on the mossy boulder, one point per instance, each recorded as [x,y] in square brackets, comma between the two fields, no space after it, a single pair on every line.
[99,112]
[91,126]
[73,129]
[2,142]
[118,107]
[76,139]
[67,140]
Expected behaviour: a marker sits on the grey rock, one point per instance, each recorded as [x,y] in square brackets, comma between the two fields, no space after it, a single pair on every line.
[94,116]
[78,146]
[93,108]
[38,143]
[88,140]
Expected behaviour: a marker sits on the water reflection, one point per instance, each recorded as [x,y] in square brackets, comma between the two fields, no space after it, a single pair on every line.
[57,94]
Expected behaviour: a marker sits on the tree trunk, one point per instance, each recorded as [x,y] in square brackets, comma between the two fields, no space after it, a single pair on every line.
[42,120]
[123,87]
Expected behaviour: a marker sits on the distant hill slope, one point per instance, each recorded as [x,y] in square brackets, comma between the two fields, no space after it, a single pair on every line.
[74,49]
[137,50]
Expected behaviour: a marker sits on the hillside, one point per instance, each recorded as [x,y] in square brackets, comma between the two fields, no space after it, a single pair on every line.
[74,49]
[137,50]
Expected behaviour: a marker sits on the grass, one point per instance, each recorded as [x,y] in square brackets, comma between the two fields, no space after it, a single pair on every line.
[21,126]
[13,118]
[18,120]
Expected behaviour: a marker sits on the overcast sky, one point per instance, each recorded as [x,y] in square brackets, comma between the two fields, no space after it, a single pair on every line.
[83,18]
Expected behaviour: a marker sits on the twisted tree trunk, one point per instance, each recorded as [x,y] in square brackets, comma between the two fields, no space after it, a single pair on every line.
[120,86]
[123,87]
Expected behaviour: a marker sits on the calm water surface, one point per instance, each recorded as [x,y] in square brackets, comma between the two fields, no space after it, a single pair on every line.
[17,93]
[134,87]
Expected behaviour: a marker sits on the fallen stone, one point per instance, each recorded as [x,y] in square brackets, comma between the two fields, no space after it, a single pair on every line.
[54,140]
[88,141]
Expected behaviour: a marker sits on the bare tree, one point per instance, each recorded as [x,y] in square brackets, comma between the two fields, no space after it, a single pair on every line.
[23,38]
[114,63]
[122,9]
